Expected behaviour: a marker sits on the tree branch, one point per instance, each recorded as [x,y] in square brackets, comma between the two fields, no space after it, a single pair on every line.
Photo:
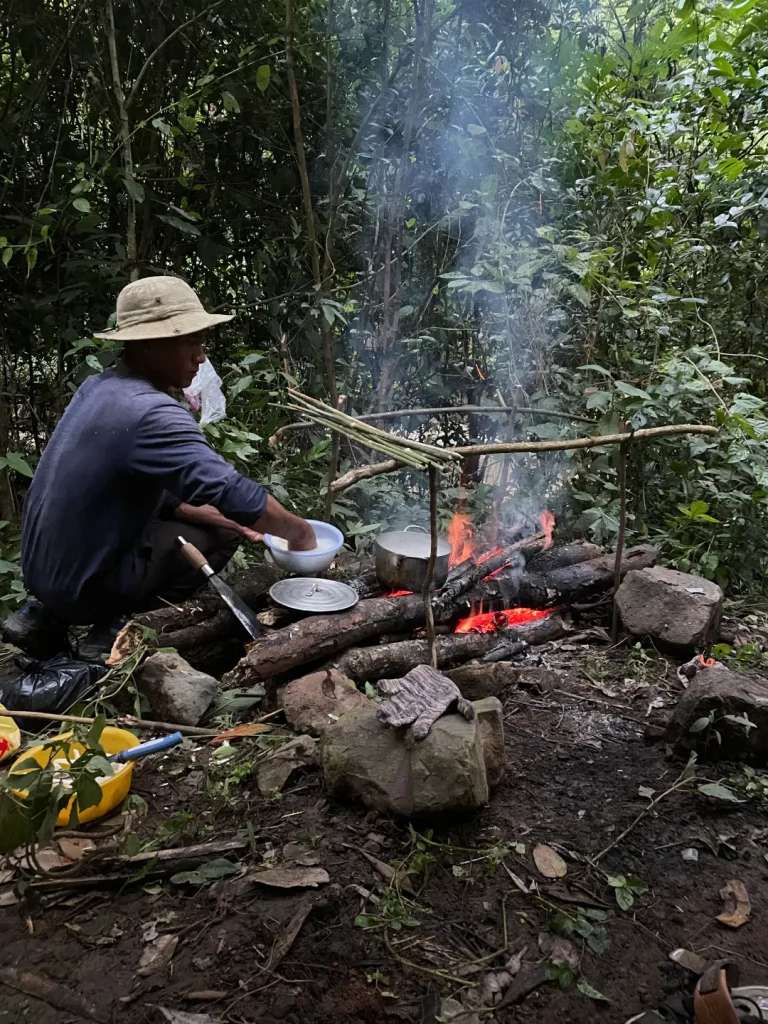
[354,476]
[131,249]
[158,48]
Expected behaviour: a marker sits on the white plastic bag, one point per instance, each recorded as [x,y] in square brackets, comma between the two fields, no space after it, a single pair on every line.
[205,396]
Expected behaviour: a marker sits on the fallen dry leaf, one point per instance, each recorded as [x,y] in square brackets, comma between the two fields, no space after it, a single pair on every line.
[291,878]
[549,862]
[74,848]
[182,1017]
[126,642]
[559,950]
[157,955]
[238,731]
[296,853]
[47,857]
[737,906]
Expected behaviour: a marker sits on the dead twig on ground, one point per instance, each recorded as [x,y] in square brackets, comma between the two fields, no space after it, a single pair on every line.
[48,991]
[684,780]
[129,720]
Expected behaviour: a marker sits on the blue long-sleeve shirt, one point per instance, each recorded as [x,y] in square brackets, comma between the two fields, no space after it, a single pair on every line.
[119,446]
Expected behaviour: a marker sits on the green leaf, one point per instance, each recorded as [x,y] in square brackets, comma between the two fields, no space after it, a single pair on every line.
[19,464]
[210,872]
[87,791]
[700,724]
[631,391]
[135,189]
[624,898]
[719,792]
[241,385]
[7,255]
[263,76]
[724,67]
[586,989]
[230,103]
[82,204]
[179,224]
[31,260]
[730,168]
[93,739]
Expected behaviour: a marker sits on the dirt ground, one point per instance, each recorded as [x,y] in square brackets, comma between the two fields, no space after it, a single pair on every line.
[467,899]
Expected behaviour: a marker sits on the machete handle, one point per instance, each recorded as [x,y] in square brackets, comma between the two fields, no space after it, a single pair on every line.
[194,556]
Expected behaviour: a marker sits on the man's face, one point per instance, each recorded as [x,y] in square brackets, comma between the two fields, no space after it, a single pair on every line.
[173,362]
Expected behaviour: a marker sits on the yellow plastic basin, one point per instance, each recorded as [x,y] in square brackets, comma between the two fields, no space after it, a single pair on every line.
[113,790]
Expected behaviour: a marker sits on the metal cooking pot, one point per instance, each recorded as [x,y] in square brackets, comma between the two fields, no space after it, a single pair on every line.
[402,557]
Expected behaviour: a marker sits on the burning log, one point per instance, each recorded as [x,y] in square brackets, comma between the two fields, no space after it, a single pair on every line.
[542,587]
[372,663]
[562,555]
[468,578]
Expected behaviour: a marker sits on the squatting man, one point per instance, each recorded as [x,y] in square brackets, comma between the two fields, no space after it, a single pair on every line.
[125,465]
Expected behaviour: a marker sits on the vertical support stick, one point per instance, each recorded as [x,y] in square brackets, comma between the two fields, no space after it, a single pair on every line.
[623,449]
[131,245]
[427,591]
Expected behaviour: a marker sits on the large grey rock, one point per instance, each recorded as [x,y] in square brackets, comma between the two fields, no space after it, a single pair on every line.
[273,773]
[383,769]
[490,722]
[176,692]
[714,693]
[313,702]
[674,608]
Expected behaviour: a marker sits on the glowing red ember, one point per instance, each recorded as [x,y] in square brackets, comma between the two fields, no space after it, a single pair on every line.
[399,593]
[493,622]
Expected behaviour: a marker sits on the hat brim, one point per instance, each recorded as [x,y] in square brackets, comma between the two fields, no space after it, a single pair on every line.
[172,327]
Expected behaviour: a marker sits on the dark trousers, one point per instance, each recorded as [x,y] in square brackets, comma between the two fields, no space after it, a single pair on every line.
[155,572]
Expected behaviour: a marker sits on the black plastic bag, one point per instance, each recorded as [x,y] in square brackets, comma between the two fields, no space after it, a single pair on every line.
[53,685]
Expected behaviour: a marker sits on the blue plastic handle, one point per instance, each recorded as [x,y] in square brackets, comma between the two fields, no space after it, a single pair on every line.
[150,747]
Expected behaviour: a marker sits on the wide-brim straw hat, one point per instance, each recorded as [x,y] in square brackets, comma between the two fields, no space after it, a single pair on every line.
[160,307]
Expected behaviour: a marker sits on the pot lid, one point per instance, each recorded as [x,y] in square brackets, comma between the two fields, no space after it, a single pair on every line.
[309,594]
[411,544]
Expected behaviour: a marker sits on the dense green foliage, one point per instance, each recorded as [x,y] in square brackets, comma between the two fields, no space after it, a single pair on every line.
[560,205]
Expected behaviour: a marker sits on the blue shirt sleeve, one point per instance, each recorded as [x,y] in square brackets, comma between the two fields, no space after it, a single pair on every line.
[169,447]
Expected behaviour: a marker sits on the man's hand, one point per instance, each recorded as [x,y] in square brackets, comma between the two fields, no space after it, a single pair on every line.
[306,541]
[252,535]
[282,523]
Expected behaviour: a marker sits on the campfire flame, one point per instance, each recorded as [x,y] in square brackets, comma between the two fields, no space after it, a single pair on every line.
[461,537]
[547,523]
[399,593]
[494,622]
